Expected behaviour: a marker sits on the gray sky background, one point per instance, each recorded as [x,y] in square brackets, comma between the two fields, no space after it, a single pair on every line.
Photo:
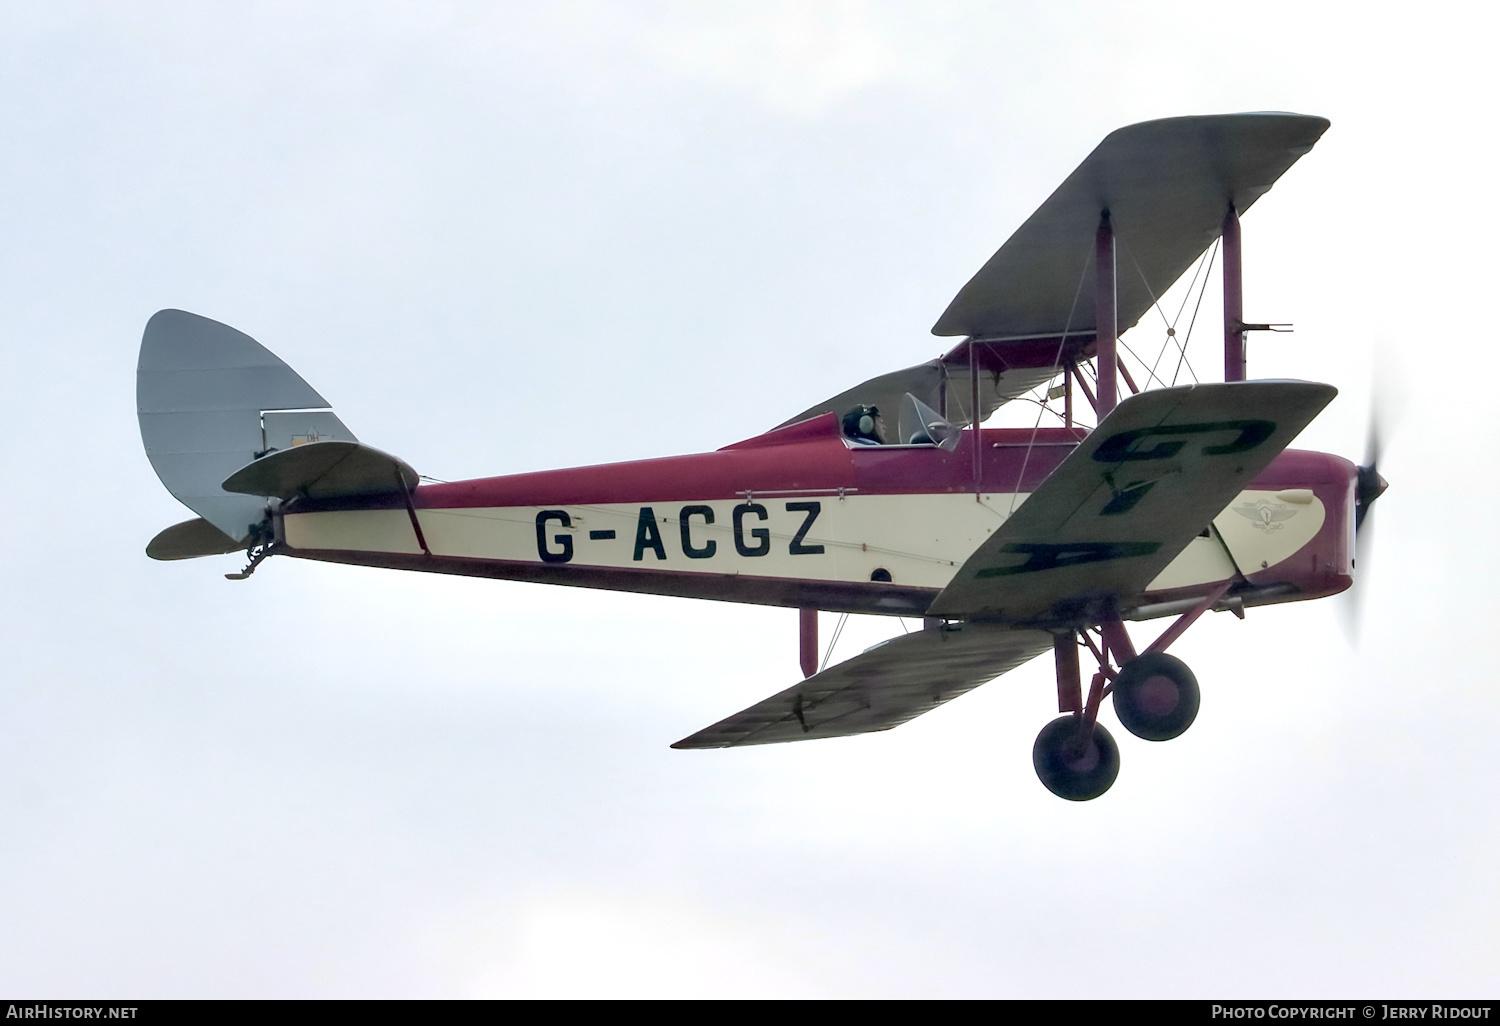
[510,237]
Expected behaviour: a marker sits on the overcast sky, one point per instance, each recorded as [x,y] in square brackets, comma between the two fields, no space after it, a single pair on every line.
[507,237]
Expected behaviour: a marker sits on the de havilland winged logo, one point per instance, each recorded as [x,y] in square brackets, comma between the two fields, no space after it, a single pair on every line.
[889,498]
[1266,516]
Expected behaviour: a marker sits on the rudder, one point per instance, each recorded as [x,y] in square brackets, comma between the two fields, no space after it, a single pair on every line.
[210,400]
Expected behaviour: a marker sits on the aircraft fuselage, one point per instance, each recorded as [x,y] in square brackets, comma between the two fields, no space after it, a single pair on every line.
[799,518]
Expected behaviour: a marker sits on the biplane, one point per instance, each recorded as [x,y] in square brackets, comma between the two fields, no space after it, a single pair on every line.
[890,498]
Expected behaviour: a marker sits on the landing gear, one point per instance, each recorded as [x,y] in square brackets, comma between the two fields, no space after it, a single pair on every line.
[1074,759]
[1156,696]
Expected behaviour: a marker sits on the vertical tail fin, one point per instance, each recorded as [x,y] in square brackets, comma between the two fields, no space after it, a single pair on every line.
[211,399]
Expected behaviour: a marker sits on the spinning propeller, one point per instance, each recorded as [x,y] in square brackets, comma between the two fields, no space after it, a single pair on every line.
[1369,486]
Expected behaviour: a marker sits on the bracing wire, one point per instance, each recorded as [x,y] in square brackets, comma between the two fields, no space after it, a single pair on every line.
[1172,327]
[1037,402]
[1207,257]
[1155,303]
[1057,358]
[837,630]
[1182,346]
[1021,476]
[1150,371]
[1203,267]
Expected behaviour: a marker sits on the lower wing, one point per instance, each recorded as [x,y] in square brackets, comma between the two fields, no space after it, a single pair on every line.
[1123,504]
[885,686]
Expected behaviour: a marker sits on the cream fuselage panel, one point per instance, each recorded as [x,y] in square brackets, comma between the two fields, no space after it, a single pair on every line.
[920,540]
[1263,528]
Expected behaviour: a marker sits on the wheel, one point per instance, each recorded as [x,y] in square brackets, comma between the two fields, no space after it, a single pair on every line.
[1077,772]
[1156,696]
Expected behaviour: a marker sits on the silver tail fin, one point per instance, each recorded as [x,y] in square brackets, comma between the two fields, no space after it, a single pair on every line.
[210,400]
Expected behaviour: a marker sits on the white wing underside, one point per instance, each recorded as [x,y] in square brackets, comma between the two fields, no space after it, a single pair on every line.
[882,688]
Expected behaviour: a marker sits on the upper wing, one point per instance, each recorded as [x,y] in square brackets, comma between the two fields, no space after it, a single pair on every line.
[887,685]
[1166,185]
[1129,499]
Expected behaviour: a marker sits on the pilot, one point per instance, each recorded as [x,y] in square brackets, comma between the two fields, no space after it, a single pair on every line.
[863,425]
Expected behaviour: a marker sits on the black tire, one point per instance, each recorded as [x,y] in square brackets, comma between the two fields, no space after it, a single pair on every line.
[1156,696]
[1070,770]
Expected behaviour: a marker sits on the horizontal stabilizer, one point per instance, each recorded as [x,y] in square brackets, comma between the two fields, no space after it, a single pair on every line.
[881,688]
[323,470]
[193,538]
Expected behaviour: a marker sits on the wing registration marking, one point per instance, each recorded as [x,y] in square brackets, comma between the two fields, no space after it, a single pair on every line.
[1127,445]
[1049,556]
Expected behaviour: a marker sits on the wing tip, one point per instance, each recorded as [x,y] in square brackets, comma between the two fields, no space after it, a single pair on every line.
[693,743]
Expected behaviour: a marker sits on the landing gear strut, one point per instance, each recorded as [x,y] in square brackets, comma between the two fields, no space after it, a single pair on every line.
[1155,696]
[1074,756]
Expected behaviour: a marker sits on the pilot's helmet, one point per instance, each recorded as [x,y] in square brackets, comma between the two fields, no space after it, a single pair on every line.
[859,423]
